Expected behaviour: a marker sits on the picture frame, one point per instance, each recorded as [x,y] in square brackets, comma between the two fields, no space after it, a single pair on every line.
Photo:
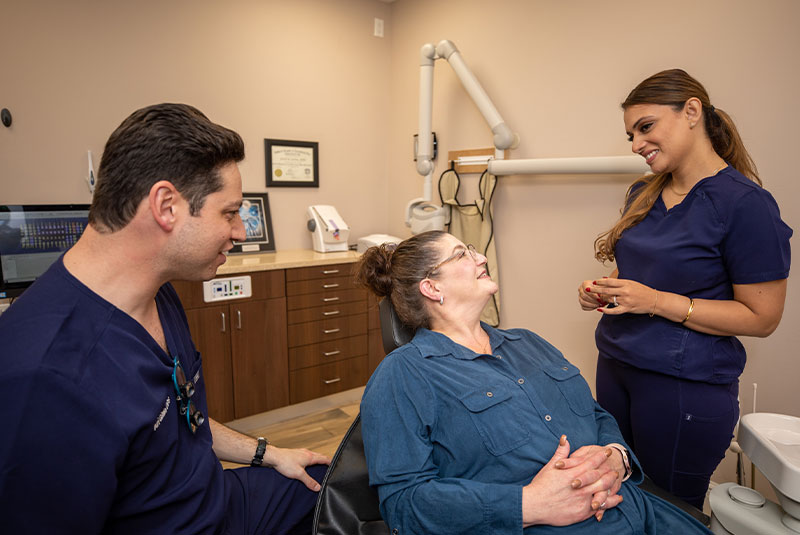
[257,220]
[292,164]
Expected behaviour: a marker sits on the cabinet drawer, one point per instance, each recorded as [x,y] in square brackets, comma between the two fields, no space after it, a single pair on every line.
[326,352]
[325,298]
[318,381]
[327,312]
[265,285]
[319,285]
[319,272]
[321,331]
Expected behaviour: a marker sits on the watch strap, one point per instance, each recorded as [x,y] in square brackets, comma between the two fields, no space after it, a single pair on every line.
[626,460]
[258,458]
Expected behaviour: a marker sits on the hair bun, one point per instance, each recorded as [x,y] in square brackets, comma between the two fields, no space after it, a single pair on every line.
[374,269]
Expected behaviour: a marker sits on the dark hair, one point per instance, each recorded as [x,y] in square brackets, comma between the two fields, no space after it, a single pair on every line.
[174,142]
[673,88]
[395,272]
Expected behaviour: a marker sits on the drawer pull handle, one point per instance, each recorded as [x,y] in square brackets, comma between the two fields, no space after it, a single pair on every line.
[331,331]
[239,318]
[328,286]
[330,353]
[331,313]
[223,321]
[331,381]
[330,271]
[329,299]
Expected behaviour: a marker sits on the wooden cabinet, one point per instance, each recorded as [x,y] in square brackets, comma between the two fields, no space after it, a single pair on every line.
[327,331]
[243,346]
[305,333]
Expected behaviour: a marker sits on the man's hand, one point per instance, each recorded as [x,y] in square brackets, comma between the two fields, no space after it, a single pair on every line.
[292,463]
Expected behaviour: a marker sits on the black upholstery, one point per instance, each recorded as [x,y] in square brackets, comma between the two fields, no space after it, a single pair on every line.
[393,332]
[347,505]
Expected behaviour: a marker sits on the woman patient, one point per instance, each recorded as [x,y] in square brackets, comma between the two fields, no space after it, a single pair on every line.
[471,429]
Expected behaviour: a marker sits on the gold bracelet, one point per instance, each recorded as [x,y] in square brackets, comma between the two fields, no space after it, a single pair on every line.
[654,305]
[689,313]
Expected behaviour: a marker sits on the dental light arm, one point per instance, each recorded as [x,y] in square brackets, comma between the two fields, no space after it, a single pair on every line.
[504,137]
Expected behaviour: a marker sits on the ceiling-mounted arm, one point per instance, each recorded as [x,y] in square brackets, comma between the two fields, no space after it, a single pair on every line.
[424,141]
[504,138]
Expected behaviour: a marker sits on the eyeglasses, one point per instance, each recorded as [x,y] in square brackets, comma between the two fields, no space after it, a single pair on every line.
[184,391]
[458,255]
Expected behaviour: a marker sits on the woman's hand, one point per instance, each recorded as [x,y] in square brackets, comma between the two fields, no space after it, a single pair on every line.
[626,295]
[608,498]
[564,490]
[587,299]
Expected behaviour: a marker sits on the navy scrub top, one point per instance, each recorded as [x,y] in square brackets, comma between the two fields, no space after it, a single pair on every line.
[727,230]
[92,440]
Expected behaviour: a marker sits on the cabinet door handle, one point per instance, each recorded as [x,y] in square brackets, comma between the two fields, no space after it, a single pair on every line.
[331,381]
[239,319]
[328,286]
[331,331]
[223,321]
[330,353]
[331,313]
[330,271]
[329,299]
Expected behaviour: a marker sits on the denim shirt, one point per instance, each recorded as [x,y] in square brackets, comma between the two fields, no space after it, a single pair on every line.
[452,436]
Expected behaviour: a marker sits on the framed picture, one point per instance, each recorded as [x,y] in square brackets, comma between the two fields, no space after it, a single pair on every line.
[292,163]
[257,223]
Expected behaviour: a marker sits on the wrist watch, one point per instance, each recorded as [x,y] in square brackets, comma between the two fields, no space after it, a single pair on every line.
[258,458]
[626,461]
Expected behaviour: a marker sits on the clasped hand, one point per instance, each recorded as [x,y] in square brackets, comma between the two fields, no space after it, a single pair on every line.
[572,488]
[626,295]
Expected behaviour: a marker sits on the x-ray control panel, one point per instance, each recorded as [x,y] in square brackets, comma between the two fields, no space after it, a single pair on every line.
[225,288]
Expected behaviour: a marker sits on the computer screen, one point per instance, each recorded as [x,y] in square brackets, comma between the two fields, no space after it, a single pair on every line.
[32,237]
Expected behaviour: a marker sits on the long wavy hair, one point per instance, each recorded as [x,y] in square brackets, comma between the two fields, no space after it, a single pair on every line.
[673,88]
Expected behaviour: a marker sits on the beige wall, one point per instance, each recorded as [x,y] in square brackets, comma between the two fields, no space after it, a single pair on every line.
[557,71]
[302,69]
[311,70]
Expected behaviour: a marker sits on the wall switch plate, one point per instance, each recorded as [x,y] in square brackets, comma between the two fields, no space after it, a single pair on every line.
[378,30]
[225,288]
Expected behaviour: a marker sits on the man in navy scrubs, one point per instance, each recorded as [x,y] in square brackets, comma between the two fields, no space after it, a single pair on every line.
[102,393]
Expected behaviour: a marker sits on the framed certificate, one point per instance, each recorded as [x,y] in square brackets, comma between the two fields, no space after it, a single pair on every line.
[291,163]
[257,223]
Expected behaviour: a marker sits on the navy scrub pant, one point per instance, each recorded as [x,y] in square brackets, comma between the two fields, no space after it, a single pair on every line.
[678,429]
[262,501]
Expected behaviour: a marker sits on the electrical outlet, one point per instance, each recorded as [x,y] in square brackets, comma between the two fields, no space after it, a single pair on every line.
[378,31]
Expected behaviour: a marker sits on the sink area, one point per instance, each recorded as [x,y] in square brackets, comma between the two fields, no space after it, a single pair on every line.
[772,442]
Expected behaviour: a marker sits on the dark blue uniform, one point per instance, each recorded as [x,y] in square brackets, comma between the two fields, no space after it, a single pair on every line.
[674,390]
[92,440]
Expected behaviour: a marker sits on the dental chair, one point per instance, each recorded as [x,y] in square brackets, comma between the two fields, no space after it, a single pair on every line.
[347,505]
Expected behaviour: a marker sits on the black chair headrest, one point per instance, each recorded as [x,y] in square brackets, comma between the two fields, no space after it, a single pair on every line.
[393,331]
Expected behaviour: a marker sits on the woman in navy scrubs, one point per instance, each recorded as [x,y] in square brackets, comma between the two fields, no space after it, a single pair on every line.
[702,256]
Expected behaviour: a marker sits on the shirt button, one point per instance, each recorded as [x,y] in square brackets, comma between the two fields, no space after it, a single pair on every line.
[565,368]
[521,381]
[500,356]
[489,394]
[547,417]
[394,531]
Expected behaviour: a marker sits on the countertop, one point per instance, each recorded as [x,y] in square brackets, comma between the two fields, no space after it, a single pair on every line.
[243,263]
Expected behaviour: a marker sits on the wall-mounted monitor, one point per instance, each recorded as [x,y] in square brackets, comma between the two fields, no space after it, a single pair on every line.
[32,237]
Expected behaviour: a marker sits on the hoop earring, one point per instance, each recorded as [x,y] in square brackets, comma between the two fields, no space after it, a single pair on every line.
[441,300]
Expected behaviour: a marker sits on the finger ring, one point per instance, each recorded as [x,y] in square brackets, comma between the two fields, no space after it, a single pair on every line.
[615,301]
[603,505]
